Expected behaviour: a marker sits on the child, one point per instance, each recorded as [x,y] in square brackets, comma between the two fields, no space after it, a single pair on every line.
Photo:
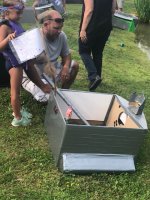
[10,29]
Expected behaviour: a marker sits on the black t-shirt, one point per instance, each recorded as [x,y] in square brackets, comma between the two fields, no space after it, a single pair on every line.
[101,21]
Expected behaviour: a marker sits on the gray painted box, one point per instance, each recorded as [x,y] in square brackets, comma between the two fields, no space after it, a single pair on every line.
[109,143]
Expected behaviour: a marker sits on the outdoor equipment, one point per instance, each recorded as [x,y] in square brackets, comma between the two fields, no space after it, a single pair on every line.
[124,21]
[101,133]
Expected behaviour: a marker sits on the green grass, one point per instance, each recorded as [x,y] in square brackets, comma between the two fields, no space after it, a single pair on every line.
[143,10]
[27,170]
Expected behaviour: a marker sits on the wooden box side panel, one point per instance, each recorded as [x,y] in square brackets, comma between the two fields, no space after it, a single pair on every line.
[114,114]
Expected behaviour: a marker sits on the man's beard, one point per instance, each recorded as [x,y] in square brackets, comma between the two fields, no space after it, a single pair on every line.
[51,37]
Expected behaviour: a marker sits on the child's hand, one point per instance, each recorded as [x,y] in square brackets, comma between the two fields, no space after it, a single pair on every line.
[11,36]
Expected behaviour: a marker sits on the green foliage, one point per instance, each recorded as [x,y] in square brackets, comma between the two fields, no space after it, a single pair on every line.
[143,10]
[27,170]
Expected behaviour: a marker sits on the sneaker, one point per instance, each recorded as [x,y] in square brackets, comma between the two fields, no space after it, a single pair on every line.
[24,113]
[22,122]
[94,83]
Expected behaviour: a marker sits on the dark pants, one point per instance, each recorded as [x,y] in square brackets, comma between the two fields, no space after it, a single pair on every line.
[91,53]
[4,76]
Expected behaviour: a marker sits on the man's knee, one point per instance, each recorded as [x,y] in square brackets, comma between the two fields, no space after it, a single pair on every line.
[75,66]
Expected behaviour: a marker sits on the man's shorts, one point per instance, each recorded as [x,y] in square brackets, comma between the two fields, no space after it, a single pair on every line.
[37,93]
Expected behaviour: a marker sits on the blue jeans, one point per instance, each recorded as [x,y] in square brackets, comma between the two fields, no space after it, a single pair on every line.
[91,53]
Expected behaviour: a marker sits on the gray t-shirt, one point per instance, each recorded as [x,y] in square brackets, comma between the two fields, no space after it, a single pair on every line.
[55,49]
[58,47]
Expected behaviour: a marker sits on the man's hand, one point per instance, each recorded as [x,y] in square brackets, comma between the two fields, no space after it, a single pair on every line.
[65,74]
[46,88]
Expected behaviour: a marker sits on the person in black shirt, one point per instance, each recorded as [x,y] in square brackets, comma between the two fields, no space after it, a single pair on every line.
[95,28]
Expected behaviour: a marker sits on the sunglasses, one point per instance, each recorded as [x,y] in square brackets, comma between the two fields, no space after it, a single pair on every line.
[57,20]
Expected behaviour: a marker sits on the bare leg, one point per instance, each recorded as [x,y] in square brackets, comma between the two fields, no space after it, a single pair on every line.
[120,5]
[67,83]
[64,4]
[15,82]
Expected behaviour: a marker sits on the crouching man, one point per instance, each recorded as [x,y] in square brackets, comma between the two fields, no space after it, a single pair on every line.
[56,43]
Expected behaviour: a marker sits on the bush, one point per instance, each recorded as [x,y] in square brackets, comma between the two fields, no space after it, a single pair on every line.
[143,10]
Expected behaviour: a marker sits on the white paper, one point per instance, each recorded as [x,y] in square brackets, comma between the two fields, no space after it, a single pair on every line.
[28,45]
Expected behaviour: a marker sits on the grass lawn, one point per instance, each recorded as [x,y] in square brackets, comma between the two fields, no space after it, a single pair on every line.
[27,170]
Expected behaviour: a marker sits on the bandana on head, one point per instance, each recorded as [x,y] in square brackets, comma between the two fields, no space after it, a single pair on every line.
[17,7]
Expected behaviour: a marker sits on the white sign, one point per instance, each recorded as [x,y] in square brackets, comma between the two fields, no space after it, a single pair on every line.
[28,45]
